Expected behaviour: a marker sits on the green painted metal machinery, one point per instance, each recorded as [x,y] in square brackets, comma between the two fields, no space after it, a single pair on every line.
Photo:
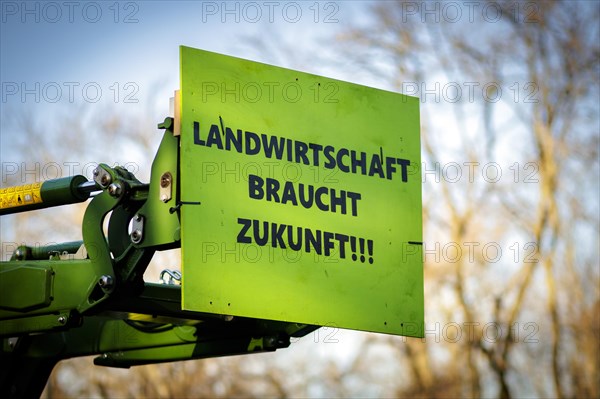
[89,297]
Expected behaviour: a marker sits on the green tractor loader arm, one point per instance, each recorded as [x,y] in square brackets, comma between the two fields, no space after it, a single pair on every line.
[89,297]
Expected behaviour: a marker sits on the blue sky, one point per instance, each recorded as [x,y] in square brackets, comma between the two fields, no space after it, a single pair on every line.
[67,45]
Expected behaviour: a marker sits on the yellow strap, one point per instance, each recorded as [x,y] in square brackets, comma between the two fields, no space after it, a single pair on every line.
[28,194]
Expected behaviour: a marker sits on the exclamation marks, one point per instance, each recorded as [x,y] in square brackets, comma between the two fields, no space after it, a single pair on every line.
[361,245]
[362,249]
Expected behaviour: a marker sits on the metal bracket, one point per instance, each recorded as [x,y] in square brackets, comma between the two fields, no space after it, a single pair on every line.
[137,229]
[102,177]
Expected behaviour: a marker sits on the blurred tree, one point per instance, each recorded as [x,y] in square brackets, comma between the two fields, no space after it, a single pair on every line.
[523,89]
[516,95]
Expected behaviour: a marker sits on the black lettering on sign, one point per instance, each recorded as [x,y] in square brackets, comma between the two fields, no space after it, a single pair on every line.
[242,237]
[312,154]
[324,198]
[304,239]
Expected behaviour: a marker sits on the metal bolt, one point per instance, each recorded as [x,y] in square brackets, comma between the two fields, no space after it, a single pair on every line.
[106,281]
[19,254]
[62,319]
[136,236]
[105,179]
[165,180]
[115,189]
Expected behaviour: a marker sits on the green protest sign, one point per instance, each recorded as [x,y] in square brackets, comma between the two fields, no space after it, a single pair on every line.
[310,197]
